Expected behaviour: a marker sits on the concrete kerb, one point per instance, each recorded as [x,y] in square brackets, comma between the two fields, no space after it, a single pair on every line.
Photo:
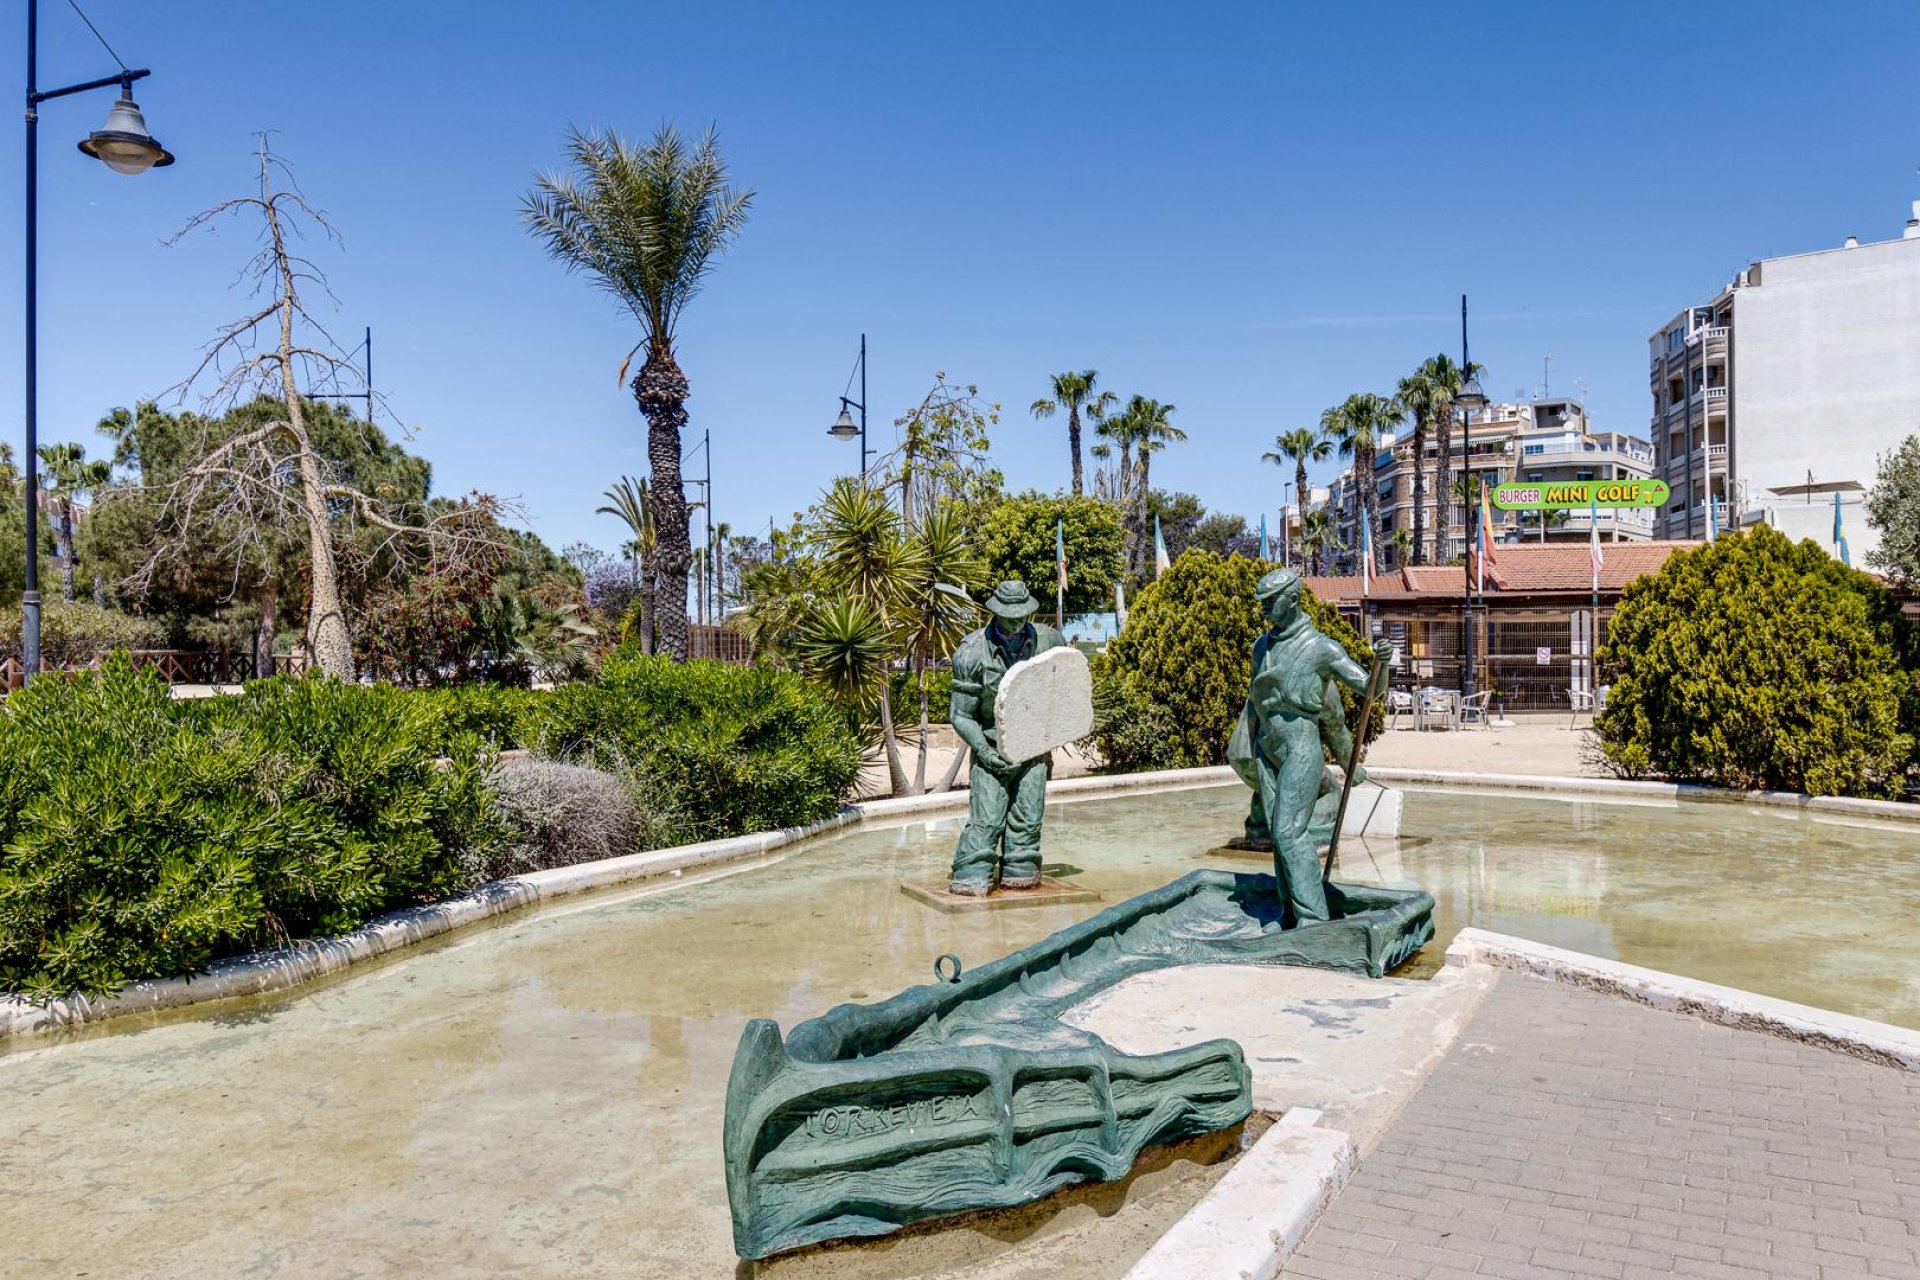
[1253,1219]
[1729,1006]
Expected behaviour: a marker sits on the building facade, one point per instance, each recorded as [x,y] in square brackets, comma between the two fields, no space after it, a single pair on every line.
[1783,391]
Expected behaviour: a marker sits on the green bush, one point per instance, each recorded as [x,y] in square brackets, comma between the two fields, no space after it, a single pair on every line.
[1187,653]
[1131,734]
[1753,662]
[731,749]
[73,632]
[906,698]
[141,837]
[1017,537]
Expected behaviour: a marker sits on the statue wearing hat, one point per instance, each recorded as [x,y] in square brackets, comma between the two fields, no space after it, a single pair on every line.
[1293,714]
[1000,847]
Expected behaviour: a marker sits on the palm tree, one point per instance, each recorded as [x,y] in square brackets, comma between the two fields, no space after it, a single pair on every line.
[647,223]
[68,476]
[1318,535]
[1148,430]
[721,532]
[1356,426]
[1298,446]
[1421,392]
[1441,379]
[631,502]
[1075,392]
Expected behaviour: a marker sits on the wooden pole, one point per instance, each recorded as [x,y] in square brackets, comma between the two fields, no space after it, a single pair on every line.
[1374,680]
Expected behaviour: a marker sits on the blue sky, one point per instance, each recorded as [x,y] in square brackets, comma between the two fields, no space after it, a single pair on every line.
[1249,211]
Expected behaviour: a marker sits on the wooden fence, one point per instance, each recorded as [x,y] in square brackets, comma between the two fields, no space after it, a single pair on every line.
[175,666]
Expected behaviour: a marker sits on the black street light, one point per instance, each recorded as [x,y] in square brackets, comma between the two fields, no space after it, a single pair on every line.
[125,146]
[1467,399]
[844,427]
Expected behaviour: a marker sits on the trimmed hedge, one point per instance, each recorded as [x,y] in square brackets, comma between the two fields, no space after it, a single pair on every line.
[1175,679]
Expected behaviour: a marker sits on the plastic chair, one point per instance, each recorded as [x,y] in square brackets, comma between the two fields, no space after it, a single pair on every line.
[1579,700]
[1475,709]
[1399,701]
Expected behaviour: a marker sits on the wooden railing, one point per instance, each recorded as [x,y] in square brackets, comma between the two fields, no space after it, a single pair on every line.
[175,666]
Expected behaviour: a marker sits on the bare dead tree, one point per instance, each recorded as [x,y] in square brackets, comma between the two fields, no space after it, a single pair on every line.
[269,481]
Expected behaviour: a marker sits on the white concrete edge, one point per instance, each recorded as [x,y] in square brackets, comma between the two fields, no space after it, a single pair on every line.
[1729,1006]
[1250,1222]
[1894,810]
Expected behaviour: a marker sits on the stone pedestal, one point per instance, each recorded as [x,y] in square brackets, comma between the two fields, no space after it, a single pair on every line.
[1049,893]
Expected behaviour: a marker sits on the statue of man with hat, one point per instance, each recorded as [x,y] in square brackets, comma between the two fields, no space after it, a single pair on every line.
[1293,713]
[1000,847]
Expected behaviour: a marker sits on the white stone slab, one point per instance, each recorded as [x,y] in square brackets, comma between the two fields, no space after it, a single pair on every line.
[1043,703]
[1373,810]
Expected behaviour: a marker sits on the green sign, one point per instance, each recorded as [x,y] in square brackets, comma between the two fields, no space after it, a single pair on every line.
[1569,495]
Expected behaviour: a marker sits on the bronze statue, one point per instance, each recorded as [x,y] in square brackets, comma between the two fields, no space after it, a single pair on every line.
[1292,717]
[1000,847]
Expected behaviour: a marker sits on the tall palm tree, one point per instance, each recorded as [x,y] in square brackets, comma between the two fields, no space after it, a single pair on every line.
[1298,446]
[1422,392]
[1442,377]
[631,502]
[1357,426]
[67,476]
[1075,392]
[647,223]
[1150,430]
[1318,535]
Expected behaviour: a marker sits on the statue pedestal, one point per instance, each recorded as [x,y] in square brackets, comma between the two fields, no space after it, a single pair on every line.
[1373,810]
[1049,893]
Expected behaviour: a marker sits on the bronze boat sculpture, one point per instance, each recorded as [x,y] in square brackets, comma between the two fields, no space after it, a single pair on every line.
[970,1093]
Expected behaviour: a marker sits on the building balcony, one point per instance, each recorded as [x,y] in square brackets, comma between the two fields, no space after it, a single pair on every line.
[1706,460]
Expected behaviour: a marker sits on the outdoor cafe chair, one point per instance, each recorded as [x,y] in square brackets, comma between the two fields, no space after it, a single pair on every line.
[1474,709]
[1580,700]
[1400,701]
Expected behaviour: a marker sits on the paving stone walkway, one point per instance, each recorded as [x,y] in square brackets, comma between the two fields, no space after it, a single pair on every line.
[1574,1134]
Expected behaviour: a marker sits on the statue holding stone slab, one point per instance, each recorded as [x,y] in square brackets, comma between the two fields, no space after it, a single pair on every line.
[1018,691]
[1292,716]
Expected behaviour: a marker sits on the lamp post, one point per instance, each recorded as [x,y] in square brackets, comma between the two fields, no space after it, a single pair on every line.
[124,146]
[1467,399]
[844,427]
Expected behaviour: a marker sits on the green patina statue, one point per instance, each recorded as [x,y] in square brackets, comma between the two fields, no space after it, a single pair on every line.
[1000,847]
[1292,717]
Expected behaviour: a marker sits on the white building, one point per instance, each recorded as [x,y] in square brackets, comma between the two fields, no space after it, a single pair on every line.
[1787,388]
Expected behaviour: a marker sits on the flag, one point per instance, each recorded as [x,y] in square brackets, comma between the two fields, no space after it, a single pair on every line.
[1484,537]
[1160,561]
[1593,539]
[1263,536]
[1366,555]
[1119,606]
[1840,536]
[1713,518]
[1060,573]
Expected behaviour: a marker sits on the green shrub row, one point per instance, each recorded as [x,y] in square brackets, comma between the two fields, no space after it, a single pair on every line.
[142,836]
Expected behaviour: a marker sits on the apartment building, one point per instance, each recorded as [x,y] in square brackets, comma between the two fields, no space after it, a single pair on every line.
[1546,439]
[1783,391]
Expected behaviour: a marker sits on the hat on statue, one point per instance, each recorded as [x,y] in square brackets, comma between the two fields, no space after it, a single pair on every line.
[1276,581]
[1011,599]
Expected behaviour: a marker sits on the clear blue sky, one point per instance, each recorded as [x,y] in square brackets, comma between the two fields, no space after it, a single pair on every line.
[1247,211]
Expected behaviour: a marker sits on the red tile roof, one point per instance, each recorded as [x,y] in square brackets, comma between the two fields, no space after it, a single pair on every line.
[1530,567]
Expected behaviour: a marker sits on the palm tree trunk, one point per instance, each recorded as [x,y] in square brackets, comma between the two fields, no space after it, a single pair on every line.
[1141,502]
[66,550]
[920,765]
[1300,503]
[1419,487]
[1442,484]
[890,743]
[647,589]
[1073,443]
[660,389]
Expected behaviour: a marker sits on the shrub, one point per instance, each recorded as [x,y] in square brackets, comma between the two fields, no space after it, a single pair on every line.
[1016,537]
[1754,662]
[731,749]
[73,632]
[1131,734]
[143,837]
[906,698]
[1187,652]
[556,815]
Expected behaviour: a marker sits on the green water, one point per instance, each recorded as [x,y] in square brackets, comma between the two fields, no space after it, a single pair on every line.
[543,1098]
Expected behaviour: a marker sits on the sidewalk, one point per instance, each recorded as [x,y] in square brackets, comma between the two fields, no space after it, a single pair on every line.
[1541,744]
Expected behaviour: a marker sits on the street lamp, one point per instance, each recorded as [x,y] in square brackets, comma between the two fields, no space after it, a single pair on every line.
[125,146]
[1467,399]
[844,427]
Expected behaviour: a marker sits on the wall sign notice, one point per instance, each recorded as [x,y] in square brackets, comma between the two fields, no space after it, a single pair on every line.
[1543,656]
[1569,495]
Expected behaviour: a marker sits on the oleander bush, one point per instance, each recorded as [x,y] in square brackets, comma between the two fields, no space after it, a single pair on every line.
[73,631]
[141,837]
[1185,658]
[1756,662]
[728,749]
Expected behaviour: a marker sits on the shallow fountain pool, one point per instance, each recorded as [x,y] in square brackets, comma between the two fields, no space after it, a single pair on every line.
[544,1097]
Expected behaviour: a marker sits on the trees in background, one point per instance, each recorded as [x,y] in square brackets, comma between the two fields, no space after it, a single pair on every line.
[1358,426]
[631,503]
[69,477]
[647,223]
[1016,537]
[1299,447]
[1893,507]
[1076,393]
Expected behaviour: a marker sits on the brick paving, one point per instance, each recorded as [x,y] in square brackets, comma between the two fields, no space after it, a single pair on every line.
[1580,1135]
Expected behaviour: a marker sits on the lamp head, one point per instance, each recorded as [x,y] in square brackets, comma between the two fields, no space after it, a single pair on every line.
[123,143]
[844,427]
